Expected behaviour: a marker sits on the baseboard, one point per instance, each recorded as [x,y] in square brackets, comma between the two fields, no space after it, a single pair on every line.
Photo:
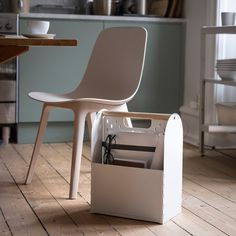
[190,119]
[55,132]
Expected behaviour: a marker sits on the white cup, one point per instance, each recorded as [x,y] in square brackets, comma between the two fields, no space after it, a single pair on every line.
[37,27]
[228,18]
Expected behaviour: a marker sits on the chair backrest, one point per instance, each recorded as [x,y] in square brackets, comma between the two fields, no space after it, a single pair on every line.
[115,67]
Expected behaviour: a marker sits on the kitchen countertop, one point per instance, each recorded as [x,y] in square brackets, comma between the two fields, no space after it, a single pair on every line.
[101,17]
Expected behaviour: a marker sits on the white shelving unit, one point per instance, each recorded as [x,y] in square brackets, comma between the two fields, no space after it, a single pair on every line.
[203,127]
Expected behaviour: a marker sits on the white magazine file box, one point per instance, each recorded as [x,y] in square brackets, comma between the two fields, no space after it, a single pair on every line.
[138,193]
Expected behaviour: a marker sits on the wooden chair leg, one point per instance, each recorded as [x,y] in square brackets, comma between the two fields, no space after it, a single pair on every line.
[42,126]
[77,152]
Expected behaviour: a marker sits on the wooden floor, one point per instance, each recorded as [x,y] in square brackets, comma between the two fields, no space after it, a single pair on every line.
[43,208]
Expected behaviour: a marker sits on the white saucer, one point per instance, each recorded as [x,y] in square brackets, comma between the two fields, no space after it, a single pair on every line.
[45,36]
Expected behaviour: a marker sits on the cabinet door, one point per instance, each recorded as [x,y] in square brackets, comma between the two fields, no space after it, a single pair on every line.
[55,69]
[161,89]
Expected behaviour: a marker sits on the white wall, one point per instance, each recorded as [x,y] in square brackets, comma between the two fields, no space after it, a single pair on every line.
[195,13]
[198,13]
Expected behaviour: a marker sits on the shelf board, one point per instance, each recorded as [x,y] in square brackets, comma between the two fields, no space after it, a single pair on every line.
[224,82]
[219,29]
[219,128]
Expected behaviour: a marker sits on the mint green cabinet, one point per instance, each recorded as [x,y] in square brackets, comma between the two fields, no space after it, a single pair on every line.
[161,89]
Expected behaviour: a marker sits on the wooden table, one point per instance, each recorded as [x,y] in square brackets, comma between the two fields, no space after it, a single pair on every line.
[12,47]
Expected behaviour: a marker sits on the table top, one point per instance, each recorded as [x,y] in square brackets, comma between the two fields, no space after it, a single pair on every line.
[5,41]
[11,47]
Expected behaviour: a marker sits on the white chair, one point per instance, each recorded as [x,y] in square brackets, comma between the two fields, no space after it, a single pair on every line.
[112,78]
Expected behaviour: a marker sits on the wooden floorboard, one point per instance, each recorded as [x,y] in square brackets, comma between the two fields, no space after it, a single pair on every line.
[56,184]
[43,207]
[53,217]
[208,197]
[4,228]
[211,215]
[196,225]
[17,213]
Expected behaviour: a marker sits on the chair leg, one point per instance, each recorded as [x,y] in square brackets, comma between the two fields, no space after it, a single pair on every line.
[127,120]
[77,152]
[42,126]
[90,118]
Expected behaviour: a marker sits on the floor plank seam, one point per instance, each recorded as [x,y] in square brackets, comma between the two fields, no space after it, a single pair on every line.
[209,205]
[85,157]
[219,170]
[226,154]
[212,149]
[209,189]
[113,227]
[51,145]
[48,162]
[49,193]
[19,154]
[206,221]
[74,222]
[23,195]
[66,158]
[181,226]
[80,195]
[8,226]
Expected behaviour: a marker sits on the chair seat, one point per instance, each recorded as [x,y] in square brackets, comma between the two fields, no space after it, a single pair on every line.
[67,98]
[50,97]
